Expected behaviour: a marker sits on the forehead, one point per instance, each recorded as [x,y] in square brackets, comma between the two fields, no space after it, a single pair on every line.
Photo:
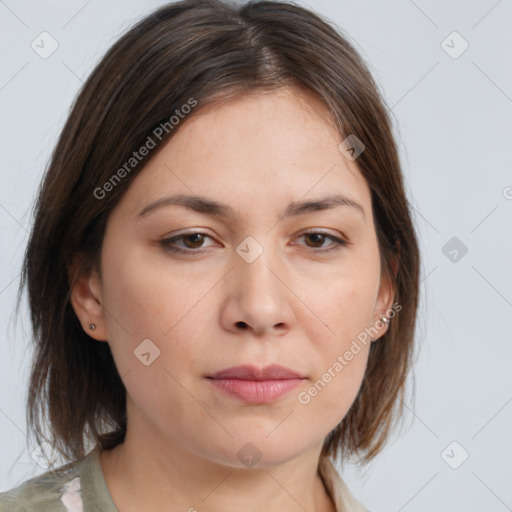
[264,146]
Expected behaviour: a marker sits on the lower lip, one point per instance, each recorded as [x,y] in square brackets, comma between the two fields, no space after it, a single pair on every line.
[256,391]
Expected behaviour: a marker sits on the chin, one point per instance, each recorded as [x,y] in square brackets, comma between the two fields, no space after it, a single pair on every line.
[253,452]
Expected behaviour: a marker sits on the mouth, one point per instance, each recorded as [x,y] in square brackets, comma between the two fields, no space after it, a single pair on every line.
[257,386]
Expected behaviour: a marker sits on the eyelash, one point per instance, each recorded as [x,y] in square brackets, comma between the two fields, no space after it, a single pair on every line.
[167,243]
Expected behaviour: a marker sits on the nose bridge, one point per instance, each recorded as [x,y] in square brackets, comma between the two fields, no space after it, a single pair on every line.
[257,266]
[258,286]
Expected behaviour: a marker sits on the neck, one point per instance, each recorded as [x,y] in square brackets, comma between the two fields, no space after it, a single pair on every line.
[152,477]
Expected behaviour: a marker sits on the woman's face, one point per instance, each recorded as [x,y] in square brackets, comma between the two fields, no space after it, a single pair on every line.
[252,289]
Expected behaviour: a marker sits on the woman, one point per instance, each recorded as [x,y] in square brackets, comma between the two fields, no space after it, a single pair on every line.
[222,271]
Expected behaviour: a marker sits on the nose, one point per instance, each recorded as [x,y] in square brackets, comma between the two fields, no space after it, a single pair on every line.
[258,297]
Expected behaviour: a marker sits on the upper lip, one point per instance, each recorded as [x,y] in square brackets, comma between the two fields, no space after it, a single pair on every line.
[248,372]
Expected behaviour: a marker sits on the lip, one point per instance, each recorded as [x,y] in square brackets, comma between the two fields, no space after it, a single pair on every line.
[257,386]
[256,391]
[248,372]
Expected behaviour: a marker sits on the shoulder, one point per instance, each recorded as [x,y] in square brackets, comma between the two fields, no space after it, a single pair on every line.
[57,490]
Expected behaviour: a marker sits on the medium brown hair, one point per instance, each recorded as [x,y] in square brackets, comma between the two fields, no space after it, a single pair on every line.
[212,52]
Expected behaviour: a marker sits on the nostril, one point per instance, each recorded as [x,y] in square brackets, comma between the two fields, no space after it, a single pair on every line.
[242,325]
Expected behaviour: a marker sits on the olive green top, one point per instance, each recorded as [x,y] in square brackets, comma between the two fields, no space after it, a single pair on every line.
[81,487]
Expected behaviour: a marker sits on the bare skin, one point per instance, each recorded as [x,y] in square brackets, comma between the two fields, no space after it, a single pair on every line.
[297,304]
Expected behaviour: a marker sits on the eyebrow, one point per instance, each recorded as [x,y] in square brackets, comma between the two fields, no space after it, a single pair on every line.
[216,209]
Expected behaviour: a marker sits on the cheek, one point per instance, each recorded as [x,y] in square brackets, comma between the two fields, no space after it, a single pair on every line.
[151,333]
[327,400]
[337,380]
[342,346]
[345,309]
[146,299]
[352,294]
[150,303]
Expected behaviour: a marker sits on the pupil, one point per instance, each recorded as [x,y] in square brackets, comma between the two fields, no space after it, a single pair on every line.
[318,237]
[196,237]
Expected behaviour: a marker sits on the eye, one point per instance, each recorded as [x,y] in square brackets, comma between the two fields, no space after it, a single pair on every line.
[319,237]
[195,240]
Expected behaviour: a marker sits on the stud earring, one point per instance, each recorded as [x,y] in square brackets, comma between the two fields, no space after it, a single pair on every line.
[384,319]
[92,327]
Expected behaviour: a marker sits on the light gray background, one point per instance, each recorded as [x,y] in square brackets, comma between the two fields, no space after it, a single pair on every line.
[453,123]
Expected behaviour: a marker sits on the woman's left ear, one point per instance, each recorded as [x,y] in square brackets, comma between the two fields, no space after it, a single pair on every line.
[384,305]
